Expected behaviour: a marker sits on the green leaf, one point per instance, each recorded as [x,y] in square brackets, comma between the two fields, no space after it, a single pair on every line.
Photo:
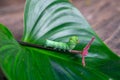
[27,63]
[58,20]
[55,20]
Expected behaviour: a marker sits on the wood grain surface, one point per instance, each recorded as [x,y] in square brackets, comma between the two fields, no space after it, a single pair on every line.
[103,15]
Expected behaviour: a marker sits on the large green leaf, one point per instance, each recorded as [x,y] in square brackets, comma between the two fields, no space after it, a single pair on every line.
[55,20]
[27,63]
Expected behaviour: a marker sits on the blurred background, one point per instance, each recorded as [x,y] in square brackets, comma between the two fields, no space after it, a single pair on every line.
[103,15]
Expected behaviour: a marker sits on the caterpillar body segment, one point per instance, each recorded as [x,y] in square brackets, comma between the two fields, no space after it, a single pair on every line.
[61,45]
[56,45]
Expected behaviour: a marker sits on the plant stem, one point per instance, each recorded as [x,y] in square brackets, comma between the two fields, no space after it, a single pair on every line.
[47,48]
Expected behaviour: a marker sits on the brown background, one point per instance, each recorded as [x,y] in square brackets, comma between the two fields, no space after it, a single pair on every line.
[103,15]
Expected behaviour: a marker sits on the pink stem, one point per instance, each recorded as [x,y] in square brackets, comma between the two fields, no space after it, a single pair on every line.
[88,45]
[83,61]
[85,51]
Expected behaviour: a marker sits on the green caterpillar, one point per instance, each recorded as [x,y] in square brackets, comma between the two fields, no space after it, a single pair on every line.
[73,41]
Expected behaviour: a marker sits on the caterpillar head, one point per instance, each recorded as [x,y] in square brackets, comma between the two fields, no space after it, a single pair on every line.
[74,40]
